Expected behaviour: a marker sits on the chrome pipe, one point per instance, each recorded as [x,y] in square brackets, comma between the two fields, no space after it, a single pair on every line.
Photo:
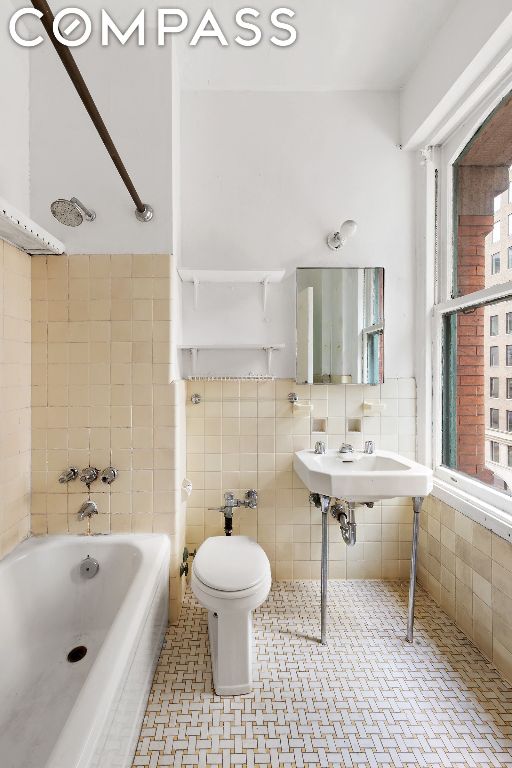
[417,505]
[324,572]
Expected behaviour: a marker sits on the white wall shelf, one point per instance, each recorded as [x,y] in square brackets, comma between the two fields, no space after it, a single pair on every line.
[194,350]
[263,278]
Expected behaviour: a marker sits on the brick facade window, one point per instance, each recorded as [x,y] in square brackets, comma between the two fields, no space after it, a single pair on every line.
[494,356]
[494,325]
[495,263]
[494,418]
[494,451]
[494,386]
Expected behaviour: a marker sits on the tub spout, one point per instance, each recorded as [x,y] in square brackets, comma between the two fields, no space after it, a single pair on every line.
[88,509]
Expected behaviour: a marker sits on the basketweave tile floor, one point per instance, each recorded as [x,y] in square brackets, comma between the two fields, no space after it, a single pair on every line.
[368,698]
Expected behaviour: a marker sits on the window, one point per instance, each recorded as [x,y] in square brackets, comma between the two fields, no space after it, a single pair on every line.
[473,315]
[509,455]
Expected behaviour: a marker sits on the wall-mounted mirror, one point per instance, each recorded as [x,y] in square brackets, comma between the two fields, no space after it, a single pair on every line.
[340,326]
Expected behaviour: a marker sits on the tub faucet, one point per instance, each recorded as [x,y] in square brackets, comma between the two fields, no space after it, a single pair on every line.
[88,509]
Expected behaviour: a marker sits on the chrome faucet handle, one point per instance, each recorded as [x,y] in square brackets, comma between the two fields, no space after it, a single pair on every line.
[251,499]
[68,475]
[346,448]
[320,448]
[369,446]
[108,475]
[89,475]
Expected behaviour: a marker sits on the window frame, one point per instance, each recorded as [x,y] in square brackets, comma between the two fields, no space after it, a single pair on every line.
[483,503]
[491,380]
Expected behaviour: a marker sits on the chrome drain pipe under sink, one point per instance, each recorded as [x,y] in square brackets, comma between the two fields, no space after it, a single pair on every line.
[344,512]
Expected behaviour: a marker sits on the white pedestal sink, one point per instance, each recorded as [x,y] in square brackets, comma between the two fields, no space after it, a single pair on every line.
[361,478]
[367,477]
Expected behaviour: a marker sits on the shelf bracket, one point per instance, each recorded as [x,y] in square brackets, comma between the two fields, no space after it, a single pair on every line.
[264,295]
[193,359]
[269,351]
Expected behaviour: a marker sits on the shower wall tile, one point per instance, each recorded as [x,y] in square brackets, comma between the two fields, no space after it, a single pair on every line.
[103,394]
[244,434]
[15,361]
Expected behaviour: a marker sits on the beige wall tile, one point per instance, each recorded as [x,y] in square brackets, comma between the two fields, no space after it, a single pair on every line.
[480,596]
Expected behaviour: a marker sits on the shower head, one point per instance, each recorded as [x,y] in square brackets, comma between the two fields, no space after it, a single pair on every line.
[72,212]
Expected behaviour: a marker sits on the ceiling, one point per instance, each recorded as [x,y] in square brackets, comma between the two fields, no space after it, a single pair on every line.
[342,44]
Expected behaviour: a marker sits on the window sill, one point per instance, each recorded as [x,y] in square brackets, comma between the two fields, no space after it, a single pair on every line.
[499,521]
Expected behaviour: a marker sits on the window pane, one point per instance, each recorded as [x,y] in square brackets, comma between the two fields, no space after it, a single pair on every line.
[483,251]
[509,322]
[477,393]
[494,325]
[509,455]
[494,453]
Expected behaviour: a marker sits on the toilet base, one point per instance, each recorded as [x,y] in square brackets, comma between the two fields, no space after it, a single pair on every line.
[230,637]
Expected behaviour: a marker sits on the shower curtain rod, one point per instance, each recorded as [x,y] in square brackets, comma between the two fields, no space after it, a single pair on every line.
[143,211]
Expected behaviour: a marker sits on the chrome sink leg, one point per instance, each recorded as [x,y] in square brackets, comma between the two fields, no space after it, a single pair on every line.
[324,505]
[417,504]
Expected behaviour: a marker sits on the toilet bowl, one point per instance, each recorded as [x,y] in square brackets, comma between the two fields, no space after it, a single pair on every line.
[230,578]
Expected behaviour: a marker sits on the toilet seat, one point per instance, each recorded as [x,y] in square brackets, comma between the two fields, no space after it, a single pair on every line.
[231,565]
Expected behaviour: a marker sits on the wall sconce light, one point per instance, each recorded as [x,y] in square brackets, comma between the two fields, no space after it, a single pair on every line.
[337,240]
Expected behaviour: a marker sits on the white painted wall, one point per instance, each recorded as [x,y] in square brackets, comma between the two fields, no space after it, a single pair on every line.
[14,125]
[473,40]
[265,177]
[133,91]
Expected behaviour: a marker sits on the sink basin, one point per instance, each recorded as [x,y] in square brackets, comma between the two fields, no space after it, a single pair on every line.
[369,477]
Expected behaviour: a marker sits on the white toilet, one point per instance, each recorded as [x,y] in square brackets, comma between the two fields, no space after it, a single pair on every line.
[230,578]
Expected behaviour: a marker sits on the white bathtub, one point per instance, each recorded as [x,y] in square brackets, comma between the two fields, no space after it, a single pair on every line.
[55,714]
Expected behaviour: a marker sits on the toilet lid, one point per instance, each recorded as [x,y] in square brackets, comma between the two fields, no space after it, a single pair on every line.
[231,563]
